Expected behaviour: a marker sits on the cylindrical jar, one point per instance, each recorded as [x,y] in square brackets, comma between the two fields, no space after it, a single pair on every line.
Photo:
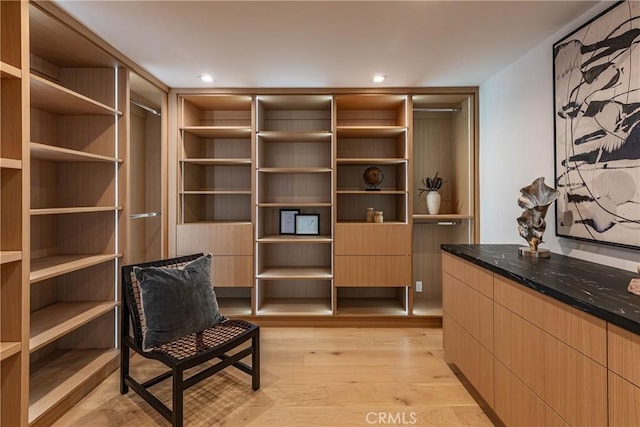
[377,216]
[370,214]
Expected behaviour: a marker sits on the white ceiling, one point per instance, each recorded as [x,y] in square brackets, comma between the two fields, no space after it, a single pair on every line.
[324,43]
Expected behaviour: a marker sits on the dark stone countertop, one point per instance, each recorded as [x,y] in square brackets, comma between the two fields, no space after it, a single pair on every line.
[594,288]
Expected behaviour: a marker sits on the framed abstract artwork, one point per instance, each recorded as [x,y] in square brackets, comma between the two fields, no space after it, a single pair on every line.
[596,72]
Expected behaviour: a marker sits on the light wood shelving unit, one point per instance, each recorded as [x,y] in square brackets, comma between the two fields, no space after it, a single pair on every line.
[372,260]
[294,170]
[78,147]
[14,205]
[216,192]
[444,130]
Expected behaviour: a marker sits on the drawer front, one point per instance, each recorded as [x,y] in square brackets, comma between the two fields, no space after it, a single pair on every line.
[218,239]
[372,271]
[580,330]
[232,271]
[624,402]
[624,353]
[517,405]
[471,309]
[477,277]
[372,239]
[572,384]
[475,361]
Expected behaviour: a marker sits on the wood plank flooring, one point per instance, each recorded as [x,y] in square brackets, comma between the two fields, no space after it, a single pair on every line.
[329,377]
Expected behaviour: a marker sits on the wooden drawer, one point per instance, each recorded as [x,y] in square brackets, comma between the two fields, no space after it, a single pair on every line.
[372,271]
[517,405]
[471,309]
[572,384]
[232,271]
[624,402]
[477,277]
[372,239]
[218,239]
[475,361]
[624,353]
[580,330]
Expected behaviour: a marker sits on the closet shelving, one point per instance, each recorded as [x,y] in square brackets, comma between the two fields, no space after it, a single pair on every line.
[294,171]
[372,261]
[443,135]
[14,194]
[216,192]
[77,216]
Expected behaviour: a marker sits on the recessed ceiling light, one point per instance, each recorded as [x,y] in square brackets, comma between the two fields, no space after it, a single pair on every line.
[379,78]
[208,78]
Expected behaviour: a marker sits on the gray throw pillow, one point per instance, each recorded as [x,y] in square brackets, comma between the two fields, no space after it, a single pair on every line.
[177,301]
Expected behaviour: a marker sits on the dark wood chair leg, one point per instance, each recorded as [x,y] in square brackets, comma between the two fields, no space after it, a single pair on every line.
[124,368]
[178,396]
[255,361]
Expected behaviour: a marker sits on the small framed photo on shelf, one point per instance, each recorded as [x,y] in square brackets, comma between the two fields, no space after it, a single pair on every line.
[288,221]
[308,224]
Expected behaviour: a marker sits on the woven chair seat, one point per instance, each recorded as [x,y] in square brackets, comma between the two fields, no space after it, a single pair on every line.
[198,343]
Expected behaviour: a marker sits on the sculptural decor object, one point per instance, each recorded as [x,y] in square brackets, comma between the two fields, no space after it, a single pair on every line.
[373,177]
[535,199]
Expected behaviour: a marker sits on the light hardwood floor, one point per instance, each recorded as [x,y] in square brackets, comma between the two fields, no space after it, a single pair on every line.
[310,377]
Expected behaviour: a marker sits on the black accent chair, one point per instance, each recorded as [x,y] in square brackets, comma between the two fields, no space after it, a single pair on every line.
[225,341]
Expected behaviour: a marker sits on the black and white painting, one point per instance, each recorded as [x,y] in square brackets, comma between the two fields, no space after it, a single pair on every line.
[596,73]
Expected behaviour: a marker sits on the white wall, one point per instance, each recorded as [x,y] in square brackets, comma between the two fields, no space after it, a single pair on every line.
[516,147]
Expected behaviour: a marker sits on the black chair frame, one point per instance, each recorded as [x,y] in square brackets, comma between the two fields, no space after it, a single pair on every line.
[212,343]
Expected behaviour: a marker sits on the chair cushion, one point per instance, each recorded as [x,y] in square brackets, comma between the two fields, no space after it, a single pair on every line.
[177,301]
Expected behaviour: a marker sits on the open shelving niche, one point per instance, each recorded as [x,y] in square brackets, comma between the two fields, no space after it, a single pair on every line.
[14,195]
[443,142]
[294,170]
[372,130]
[77,216]
[216,192]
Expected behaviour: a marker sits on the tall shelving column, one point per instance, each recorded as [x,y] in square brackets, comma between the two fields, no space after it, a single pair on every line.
[216,191]
[373,260]
[14,196]
[294,171]
[77,191]
[444,142]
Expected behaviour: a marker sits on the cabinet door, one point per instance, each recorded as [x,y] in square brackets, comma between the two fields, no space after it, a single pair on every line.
[624,409]
[219,239]
[373,239]
[372,270]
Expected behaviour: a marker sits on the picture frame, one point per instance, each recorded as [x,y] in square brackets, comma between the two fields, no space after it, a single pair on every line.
[288,221]
[596,93]
[307,224]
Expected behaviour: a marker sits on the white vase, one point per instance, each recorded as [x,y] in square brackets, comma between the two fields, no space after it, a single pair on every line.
[433,202]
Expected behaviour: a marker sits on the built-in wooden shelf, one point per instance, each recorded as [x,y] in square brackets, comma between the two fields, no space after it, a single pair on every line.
[234,306]
[9,348]
[217,162]
[371,161]
[57,320]
[370,131]
[296,307]
[290,273]
[218,131]
[286,238]
[304,170]
[57,265]
[53,378]
[295,204]
[73,210]
[427,307]
[295,136]
[219,192]
[59,154]
[52,97]
[10,256]
[371,306]
[7,163]
[440,218]
[372,193]
[8,71]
